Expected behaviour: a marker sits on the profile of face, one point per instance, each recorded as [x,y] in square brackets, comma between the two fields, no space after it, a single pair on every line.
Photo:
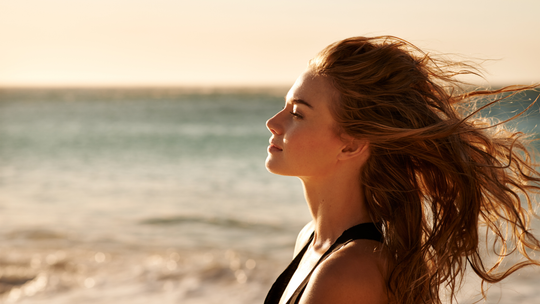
[304,140]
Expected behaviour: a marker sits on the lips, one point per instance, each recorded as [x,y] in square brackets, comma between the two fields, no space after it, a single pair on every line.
[274,147]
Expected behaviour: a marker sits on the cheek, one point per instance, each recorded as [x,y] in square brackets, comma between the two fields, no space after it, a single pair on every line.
[309,149]
[314,146]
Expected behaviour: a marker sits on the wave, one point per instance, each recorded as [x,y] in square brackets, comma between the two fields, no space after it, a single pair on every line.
[35,234]
[215,221]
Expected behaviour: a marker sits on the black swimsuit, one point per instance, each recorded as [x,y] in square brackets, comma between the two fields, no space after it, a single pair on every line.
[368,231]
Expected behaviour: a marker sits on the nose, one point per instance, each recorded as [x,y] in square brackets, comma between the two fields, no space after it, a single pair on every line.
[273,125]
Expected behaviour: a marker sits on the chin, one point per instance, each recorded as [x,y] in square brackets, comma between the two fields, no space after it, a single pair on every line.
[273,167]
[279,171]
[269,166]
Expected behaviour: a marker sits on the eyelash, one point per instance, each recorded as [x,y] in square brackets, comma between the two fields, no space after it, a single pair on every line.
[296,115]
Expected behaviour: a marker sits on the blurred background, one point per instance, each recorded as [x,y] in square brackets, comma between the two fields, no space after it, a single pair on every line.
[133,138]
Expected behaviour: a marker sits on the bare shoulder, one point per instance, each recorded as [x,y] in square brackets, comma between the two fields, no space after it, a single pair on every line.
[303,237]
[354,274]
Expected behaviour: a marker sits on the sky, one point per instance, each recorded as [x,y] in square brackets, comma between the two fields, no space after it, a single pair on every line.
[246,42]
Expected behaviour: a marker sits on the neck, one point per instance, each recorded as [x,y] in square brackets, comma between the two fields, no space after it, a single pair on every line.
[336,204]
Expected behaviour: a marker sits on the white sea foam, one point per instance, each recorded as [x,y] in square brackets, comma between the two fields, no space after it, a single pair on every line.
[33,274]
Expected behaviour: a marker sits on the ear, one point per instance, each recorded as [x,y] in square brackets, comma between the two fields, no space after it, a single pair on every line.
[354,148]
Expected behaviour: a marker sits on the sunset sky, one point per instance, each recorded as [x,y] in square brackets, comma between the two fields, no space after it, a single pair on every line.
[245,42]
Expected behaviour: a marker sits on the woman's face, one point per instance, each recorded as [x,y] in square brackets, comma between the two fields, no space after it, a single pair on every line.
[304,142]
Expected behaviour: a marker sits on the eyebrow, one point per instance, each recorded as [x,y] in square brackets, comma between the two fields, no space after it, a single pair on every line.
[300,101]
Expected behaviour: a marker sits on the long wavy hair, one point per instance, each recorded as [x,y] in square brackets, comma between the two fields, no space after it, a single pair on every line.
[438,175]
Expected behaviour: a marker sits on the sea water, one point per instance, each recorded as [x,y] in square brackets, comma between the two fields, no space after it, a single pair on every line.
[155,196]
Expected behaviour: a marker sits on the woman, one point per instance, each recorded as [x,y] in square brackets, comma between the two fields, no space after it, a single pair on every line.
[398,183]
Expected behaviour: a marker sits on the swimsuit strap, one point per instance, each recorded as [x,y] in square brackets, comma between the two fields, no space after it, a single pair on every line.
[369,231]
[278,288]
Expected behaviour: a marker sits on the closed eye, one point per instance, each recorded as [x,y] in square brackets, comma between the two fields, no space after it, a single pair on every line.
[296,115]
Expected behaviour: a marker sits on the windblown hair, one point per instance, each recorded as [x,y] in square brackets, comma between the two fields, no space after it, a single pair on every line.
[437,174]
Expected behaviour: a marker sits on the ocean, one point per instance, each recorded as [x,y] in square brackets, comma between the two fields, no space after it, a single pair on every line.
[157,196]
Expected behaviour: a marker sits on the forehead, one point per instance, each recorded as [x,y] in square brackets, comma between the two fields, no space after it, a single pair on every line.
[312,88]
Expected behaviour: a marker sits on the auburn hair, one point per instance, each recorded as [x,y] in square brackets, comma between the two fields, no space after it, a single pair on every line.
[438,175]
